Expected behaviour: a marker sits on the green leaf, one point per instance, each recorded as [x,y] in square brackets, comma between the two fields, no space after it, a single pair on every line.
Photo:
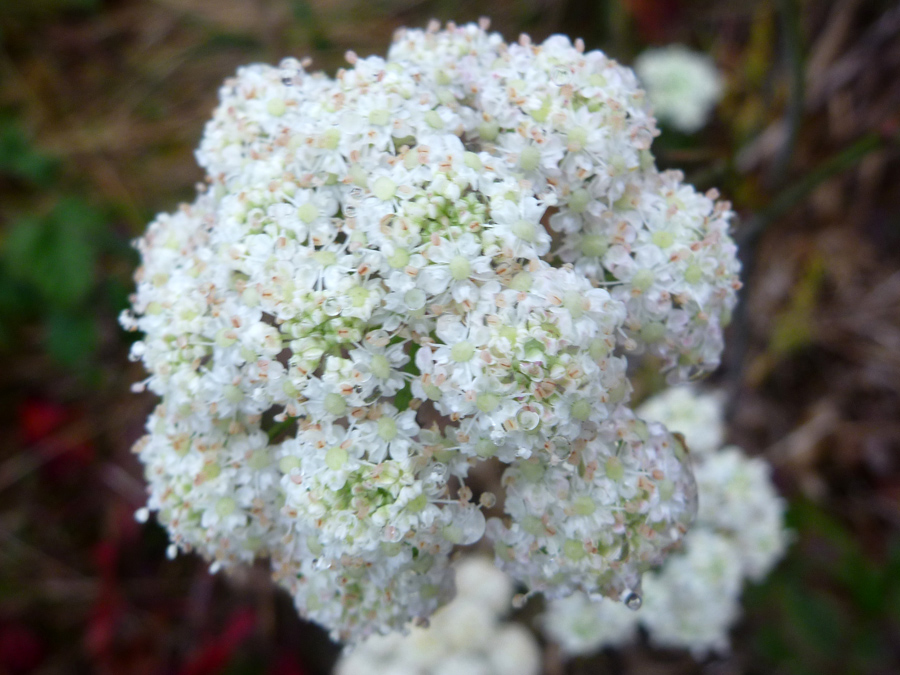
[71,339]
[20,159]
[816,624]
[403,397]
[56,254]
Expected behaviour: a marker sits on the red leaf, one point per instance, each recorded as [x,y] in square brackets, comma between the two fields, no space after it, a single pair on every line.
[38,419]
[20,649]
[287,664]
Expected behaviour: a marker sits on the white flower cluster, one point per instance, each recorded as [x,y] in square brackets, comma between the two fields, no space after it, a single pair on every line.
[468,635]
[425,262]
[695,414]
[694,599]
[683,86]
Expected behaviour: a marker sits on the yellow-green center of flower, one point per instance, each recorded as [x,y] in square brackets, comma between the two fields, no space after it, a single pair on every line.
[433,119]
[488,131]
[387,429]
[693,273]
[584,505]
[331,138]
[487,402]
[381,367]
[643,280]
[335,404]
[579,200]
[653,331]
[399,258]
[524,230]
[379,117]
[460,268]
[358,295]
[225,506]
[574,549]
[594,245]
[530,158]
[307,212]
[521,282]
[285,464]
[581,409]
[336,457]
[384,188]
[326,258]
[276,107]
[484,448]
[472,161]
[574,302]
[576,139]
[614,469]
[462,351]
[663,239]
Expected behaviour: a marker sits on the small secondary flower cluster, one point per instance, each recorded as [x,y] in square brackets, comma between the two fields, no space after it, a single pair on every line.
[426,262]
[468,635]
[694,599]
[683,86]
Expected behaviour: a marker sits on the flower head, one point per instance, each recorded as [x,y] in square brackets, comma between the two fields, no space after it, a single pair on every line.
[683,85]
[424,262]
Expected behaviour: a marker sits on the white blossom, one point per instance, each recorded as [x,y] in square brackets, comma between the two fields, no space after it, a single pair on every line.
[693,600]
[468,635]
[684,86]
[393,274]
[696,414]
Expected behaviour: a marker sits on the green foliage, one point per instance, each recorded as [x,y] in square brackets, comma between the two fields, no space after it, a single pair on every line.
[825,607]
[56,254]
[51,257]
[20,160]
[403,397]
[794,327]
[42,9]
[70,338]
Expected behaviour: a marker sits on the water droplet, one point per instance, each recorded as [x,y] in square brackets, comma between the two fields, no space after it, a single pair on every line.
[290,63]
[633,602]
[438,473]
[349,211]
[528,419]
[332,307]
[415,298]
[356,193]
[560,447]
[392,534]
[560,75]
[470,523]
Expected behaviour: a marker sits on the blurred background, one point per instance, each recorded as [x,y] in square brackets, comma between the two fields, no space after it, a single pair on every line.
[101,105]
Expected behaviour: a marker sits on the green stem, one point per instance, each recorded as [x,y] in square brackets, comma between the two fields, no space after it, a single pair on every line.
[793,195]
[793,46]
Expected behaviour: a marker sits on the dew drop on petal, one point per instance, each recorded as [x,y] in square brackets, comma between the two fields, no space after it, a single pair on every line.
[560,447]
[332,307]
[561,75]
[472,523]
[633,602]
